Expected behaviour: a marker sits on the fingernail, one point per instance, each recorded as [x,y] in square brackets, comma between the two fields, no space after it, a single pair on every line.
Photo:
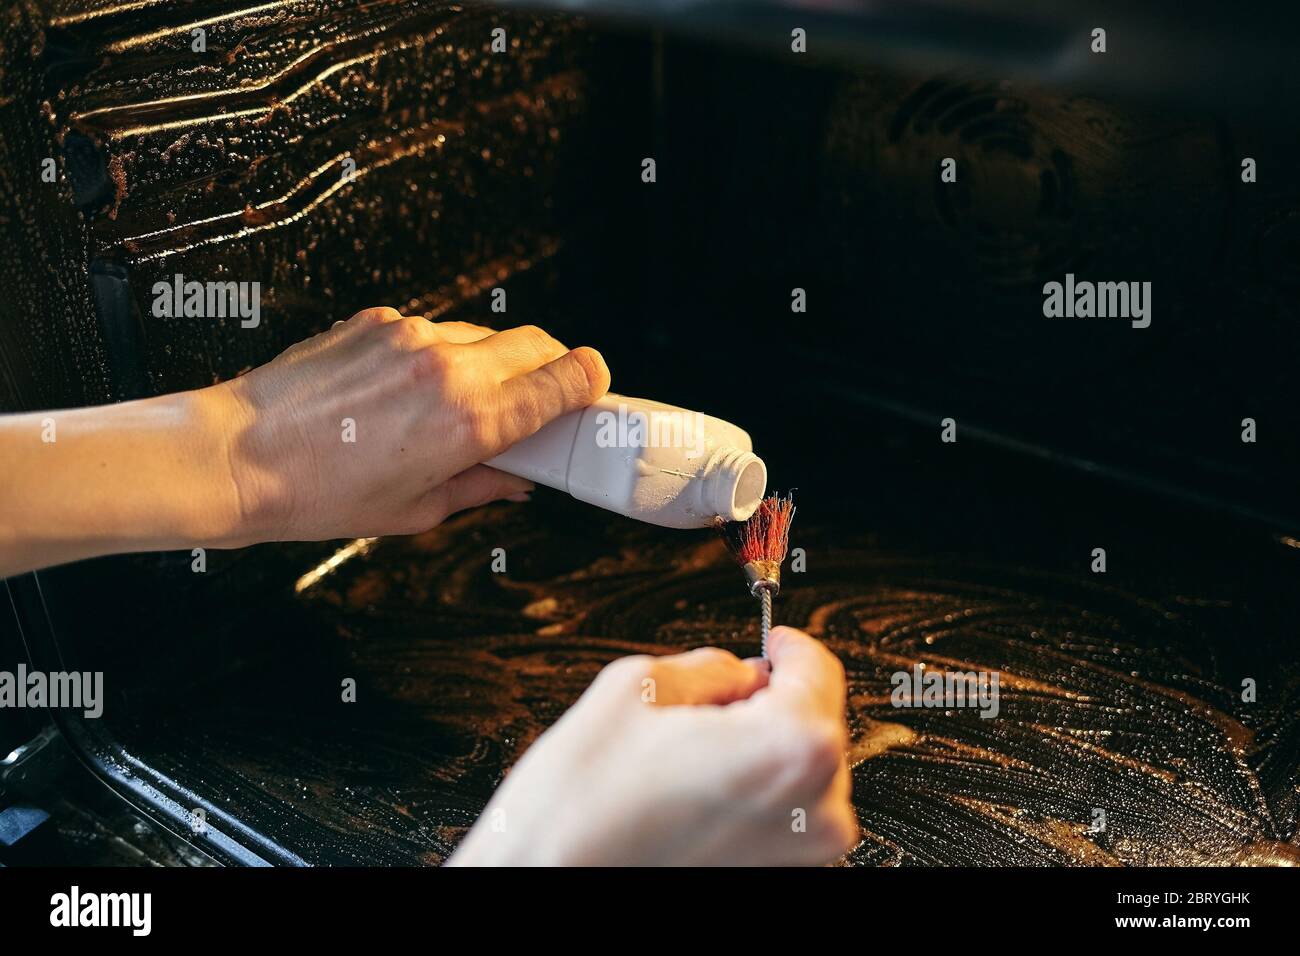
[521,497]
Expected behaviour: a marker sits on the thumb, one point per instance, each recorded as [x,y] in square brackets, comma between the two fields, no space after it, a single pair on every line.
[706,675]
[527,402]
[806,676]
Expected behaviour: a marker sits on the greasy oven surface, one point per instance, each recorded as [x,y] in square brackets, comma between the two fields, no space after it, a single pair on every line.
[1120,691]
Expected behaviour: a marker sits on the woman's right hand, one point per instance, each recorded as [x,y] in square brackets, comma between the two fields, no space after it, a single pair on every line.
[694,759]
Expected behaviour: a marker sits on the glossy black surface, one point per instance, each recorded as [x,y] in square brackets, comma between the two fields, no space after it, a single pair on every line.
[1123,690]
[1120,691]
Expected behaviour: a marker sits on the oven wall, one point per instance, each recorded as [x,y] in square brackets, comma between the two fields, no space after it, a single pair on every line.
[474,170]
[926,299]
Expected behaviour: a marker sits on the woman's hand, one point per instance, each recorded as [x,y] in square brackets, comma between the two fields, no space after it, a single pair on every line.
[378,425]
[699,758]
[374,427]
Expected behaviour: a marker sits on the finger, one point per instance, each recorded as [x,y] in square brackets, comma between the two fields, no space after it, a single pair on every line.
[519,351]
[707,675]
[805,674]
[462,333]
[835,825]
[573,381]
[832,831]
[473,487]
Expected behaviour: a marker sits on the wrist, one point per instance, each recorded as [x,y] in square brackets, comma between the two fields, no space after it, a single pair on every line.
[252,505]
[188,499]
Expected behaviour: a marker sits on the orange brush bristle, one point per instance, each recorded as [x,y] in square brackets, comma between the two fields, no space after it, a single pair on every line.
[760,544]
[765,536]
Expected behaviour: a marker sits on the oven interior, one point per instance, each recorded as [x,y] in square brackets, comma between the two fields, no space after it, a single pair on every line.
[1122,691]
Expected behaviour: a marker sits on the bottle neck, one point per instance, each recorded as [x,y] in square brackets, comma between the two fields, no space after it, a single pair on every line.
[734,483]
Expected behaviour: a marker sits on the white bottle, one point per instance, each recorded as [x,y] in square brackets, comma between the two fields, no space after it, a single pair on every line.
[646,460]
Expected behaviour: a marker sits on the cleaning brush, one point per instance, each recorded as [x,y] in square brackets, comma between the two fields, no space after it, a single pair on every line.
[759,545]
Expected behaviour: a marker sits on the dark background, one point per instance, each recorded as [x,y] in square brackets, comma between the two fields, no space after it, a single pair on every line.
[774,171]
